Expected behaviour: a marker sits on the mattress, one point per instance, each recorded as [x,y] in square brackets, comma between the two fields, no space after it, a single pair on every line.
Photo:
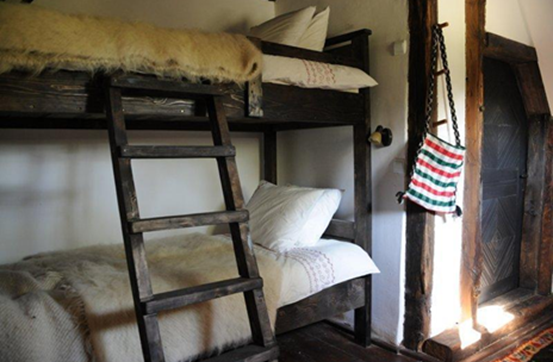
[76,305]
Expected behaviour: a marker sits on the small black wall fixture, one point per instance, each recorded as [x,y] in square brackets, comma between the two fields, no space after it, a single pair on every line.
[381,137]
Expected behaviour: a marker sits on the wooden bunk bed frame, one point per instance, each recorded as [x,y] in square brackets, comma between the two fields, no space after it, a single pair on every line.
[75,100]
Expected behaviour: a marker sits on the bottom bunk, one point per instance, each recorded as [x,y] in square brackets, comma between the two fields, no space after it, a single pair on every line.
[77,305]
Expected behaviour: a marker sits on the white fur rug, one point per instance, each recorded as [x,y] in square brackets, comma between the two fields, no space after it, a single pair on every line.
[33,39]
[77,305]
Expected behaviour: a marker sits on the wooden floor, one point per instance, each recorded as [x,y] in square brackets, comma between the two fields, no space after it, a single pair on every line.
[325,343]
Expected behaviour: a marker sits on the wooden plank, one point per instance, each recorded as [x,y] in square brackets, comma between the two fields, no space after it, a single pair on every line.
[147,152]
[420,224]
[363,191]
[270,156]
[507,50]
[348,37]
[153,84]
[135,253]
[341,229]
[533,204]
[448,345]
[471,269]
[292,104]
[330,302]
[545,261]
[77,96]
[248,354]
[188,221]
[532,90]
[181,298]
[260,324]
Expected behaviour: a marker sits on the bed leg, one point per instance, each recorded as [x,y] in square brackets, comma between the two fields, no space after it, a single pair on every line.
[362,319]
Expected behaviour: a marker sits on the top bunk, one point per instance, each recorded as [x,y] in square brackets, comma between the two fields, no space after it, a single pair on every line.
[75,99]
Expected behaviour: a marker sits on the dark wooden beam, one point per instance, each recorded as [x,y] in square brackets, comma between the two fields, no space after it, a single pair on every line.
[362,191]
[325,304]
[545,259]
[532,89]
[270,156]
[507,50]
[471,258]
[420,224]
[533,203]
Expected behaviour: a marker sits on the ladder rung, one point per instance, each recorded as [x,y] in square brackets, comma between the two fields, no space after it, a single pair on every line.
[186,221]
[128,151]
[164,86]
[201,293]
[251,353]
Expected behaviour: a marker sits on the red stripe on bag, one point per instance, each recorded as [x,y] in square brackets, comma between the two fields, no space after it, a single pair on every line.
[433,191]
[437,170]
[443,151]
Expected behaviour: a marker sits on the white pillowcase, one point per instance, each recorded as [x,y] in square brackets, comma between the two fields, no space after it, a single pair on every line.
[315,36]
[308,74]
[286,29]
[286,217]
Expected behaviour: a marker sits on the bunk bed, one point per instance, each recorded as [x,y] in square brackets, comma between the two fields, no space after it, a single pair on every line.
[75,100]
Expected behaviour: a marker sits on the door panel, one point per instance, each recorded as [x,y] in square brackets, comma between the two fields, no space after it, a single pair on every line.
[503,169]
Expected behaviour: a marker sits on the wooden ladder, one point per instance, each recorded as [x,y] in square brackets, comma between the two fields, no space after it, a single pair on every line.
[147,304]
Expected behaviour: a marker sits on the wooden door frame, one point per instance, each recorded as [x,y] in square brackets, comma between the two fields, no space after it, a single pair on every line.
[537,239]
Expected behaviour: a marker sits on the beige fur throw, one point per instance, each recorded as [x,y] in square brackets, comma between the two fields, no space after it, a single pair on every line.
[33,39]
[77,306]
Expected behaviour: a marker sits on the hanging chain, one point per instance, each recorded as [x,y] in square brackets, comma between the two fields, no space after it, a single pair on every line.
[443,52]
[438,44]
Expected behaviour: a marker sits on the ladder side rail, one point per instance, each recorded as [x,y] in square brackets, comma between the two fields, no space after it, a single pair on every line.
[135,252]
[247,265]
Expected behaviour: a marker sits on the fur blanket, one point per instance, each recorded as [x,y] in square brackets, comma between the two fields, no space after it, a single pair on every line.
[77,305]
[33,39]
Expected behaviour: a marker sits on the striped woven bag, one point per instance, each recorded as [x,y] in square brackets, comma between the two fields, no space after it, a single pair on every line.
[438,165]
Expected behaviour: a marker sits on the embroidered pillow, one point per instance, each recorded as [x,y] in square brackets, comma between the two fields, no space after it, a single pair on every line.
[308,74]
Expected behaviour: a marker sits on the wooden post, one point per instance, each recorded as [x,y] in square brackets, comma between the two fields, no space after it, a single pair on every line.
[270,156]
[362,192]
[545,266]
[471,262]
[420,223]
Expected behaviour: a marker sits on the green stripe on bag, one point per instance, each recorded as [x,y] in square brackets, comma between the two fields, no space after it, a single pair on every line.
[429,200]
[439,161]
[433,180]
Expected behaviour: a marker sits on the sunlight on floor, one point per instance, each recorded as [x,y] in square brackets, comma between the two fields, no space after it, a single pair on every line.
[491,317]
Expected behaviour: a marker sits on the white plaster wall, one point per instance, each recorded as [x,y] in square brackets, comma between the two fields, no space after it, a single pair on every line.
[448,230]
[56,187]
[539,20]
[209,15]
[325,157]
[526,21]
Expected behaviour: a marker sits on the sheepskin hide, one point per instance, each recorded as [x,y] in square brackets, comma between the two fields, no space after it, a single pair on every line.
[33,39]
[77,305]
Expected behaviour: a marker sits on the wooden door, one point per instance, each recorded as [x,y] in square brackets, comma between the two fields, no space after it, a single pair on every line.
[503,179]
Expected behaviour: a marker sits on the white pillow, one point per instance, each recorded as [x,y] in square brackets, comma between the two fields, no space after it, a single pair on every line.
[315,36]
[286,29]
[308,74]
[286,217]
